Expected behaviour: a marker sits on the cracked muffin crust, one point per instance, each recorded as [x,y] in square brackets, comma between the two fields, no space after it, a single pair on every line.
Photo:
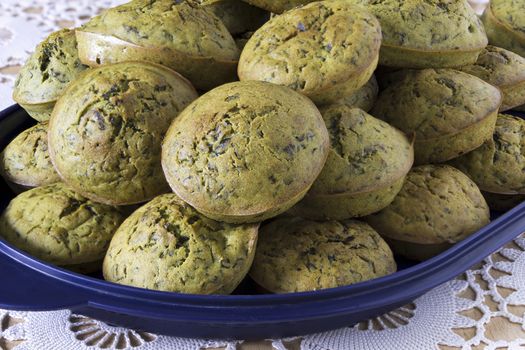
[503,69]
[105,132]
[167,245]
[427,34]
[325,50]
[25,162]
[238,16]
[296,255]
[450,112]
[245,151]
[504,22]
[365,169]
[364,98]
[497,166]
[47,72]
[57,225]
[179,34]
[278,6]
[437,205]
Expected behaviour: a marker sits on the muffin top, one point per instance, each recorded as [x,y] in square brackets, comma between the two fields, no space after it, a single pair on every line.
[238,16]
[365,153]
[180,25]
[56,224]
[245,148]
[167,245]
[431,25]
[295,255]
[105,132]
[364,98]
[510,13]
[49,69]
[435,102]
[498,67]
[497,166]
[437,204]
[25,161]
[312,48]
[277,6]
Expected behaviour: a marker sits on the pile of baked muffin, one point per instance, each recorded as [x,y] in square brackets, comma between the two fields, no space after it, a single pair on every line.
[184,144]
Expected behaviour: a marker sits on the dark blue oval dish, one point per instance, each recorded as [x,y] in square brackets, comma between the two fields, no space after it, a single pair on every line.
[30,284]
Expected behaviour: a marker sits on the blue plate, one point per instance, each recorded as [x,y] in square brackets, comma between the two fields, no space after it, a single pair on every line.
[30,284]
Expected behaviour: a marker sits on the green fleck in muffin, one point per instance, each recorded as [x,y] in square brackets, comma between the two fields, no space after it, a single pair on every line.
[277,6]
[46,74]
[105,132]
[25,162]
[364,98]
[503,202]
[245,151]
[167,245]
[296,255]
[427,34]
[504,69]
[437,207]
[59,226]
[179,34]
[504,22]
[450,112]
[498,165]
[238,17]
[326,50]
[365,169]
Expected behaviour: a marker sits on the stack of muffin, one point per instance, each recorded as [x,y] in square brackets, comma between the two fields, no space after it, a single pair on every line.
[184,144]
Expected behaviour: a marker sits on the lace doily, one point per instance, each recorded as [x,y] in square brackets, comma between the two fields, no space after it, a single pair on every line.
[461,314]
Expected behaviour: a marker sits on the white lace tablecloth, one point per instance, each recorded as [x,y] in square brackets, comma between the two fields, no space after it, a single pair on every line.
[482,309]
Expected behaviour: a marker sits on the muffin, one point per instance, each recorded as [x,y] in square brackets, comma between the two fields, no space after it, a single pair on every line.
[326,50]
[427,34]
[57,225]
[365,169]
[503,202]
[47,72]
[277,6]
[238,17]
[497,166]
[437,207]
[106,130]
[167,245]
[25,162]
[504,69]
[504,22]
[364,98]
[296,255]
[178,34]
[245,151]
[450,112]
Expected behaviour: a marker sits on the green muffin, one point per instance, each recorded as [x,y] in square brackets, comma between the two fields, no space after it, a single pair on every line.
[296,255]
[326,50]
[57,225]
[503,202]
[277,6]
[504,22]
[437,207]
[238,17]
[427,34]
[364,98]
[497,166]
[503,69]
[450,112]
[365,169]
[47,72]
[245,151]
[106,130]
[167,245]
[179,34]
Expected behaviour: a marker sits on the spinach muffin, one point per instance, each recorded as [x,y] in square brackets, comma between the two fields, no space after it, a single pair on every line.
[278,6]
[106,130]
[55,224]
[47,72]
[437,207]
[179,34]
[365,169]
[238,17]
[450,112]
[503,202]
[245,151]
[326,50]
[167,245]
[25,162]
[364,98]
[427,34]
[296,255]
[504,22]
[497,166]
[503,69]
